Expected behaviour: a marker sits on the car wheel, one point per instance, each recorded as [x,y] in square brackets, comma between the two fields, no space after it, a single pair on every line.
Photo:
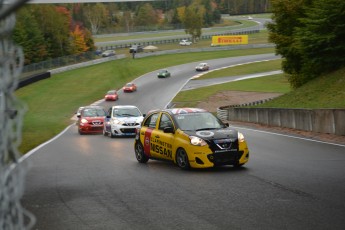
[139,153]
[182,159]
[111,134]
[80,132]
[238,165]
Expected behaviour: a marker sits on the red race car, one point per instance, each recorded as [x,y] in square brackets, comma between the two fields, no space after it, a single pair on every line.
[91,120]
[130,87]
[111,96]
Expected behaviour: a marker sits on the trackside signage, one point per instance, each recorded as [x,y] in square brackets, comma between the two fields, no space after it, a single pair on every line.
[230,40]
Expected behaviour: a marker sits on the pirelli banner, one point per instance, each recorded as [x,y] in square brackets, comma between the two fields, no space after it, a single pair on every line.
[230,40]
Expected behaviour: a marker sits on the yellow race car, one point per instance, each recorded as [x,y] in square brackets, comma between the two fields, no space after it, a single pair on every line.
[189,137]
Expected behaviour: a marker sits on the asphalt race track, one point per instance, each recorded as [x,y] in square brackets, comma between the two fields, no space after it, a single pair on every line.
[94,182]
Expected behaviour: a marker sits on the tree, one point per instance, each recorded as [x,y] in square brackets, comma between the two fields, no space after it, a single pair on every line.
[27,34]
[96,15]
[146,16]
[193,20]
[309,35]
[78,43]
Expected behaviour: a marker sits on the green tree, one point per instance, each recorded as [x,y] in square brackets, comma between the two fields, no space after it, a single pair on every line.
[55,23]
[309,35]
[28,35]
[146,16]
[286,15]
[193,20]
[321,38]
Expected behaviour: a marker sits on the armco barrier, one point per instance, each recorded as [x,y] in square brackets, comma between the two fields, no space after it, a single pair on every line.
[330,121]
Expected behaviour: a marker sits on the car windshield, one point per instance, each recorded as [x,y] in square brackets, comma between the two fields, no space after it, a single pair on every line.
[126,112]
[129,85]
[198,121]
[111,92]
[93,112]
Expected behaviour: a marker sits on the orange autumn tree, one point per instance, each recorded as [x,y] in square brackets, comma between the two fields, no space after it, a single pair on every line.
[78,42]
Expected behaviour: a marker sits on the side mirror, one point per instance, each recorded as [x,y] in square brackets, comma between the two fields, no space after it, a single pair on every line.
[226,124]
[169,130]
[108,116]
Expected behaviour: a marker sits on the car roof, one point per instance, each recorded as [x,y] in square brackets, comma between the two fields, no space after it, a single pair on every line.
[176,111]
[123,106]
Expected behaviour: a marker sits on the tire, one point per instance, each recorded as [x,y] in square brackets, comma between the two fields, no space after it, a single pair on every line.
[182,159]
[238,165]
[105,133]
[139,153]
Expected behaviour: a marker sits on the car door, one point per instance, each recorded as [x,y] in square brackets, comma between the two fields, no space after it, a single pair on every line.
[147,128]
[162,141]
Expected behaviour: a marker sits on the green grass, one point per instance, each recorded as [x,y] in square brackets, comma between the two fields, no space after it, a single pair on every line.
[327,91]
[272,84]
[252,68]
[52,102]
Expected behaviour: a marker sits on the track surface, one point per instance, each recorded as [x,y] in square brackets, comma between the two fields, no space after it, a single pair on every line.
[94,182]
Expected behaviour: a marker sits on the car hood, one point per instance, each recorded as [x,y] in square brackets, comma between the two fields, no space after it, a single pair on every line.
[94,118]
[129,119]
[214,134]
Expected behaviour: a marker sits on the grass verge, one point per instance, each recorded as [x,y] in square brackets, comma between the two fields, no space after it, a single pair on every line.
[52,102]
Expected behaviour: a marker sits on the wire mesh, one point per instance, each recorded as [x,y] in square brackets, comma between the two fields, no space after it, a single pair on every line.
[12,172]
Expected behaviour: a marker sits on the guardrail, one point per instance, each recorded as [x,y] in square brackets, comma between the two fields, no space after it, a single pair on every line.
[329,121]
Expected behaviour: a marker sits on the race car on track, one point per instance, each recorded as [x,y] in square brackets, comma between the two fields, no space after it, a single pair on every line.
[111,95]
[91,120]
[163,74]
[130,87]
[189,137]
[202,67]
[122,120]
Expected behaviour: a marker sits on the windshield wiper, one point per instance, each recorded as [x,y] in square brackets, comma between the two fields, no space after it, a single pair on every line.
[205,129]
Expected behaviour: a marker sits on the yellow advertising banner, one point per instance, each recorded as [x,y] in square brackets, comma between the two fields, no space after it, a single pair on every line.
[230,40]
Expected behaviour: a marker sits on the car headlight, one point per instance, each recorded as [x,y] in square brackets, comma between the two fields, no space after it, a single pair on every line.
[117,122]
[240,137]
[197,141]
[84,121]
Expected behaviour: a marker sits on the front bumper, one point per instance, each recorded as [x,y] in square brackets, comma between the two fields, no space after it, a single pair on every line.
[204,157]
[123,130]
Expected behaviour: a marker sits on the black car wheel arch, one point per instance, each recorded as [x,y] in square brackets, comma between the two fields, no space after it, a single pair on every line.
[139,153]
[182,159]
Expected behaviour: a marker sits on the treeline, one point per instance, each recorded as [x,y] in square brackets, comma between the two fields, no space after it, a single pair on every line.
[54,30]
[309,34]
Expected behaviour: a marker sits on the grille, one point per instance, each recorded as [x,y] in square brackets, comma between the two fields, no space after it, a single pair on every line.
[130,124]
[131,130]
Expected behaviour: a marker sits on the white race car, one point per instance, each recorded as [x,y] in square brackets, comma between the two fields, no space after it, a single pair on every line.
[122,120]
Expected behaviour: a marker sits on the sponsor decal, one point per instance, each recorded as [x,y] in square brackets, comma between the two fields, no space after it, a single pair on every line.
[230,40]
[161,147]
[205,133]
[147,138]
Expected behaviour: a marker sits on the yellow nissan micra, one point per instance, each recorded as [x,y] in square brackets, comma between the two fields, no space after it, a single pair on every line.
[189,137]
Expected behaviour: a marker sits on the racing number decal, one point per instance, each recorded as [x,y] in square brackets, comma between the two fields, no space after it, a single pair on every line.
[147,141]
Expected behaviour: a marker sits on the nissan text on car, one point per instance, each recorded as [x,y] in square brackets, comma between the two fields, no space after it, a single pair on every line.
[122,120]
[189,137]
[91,120]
